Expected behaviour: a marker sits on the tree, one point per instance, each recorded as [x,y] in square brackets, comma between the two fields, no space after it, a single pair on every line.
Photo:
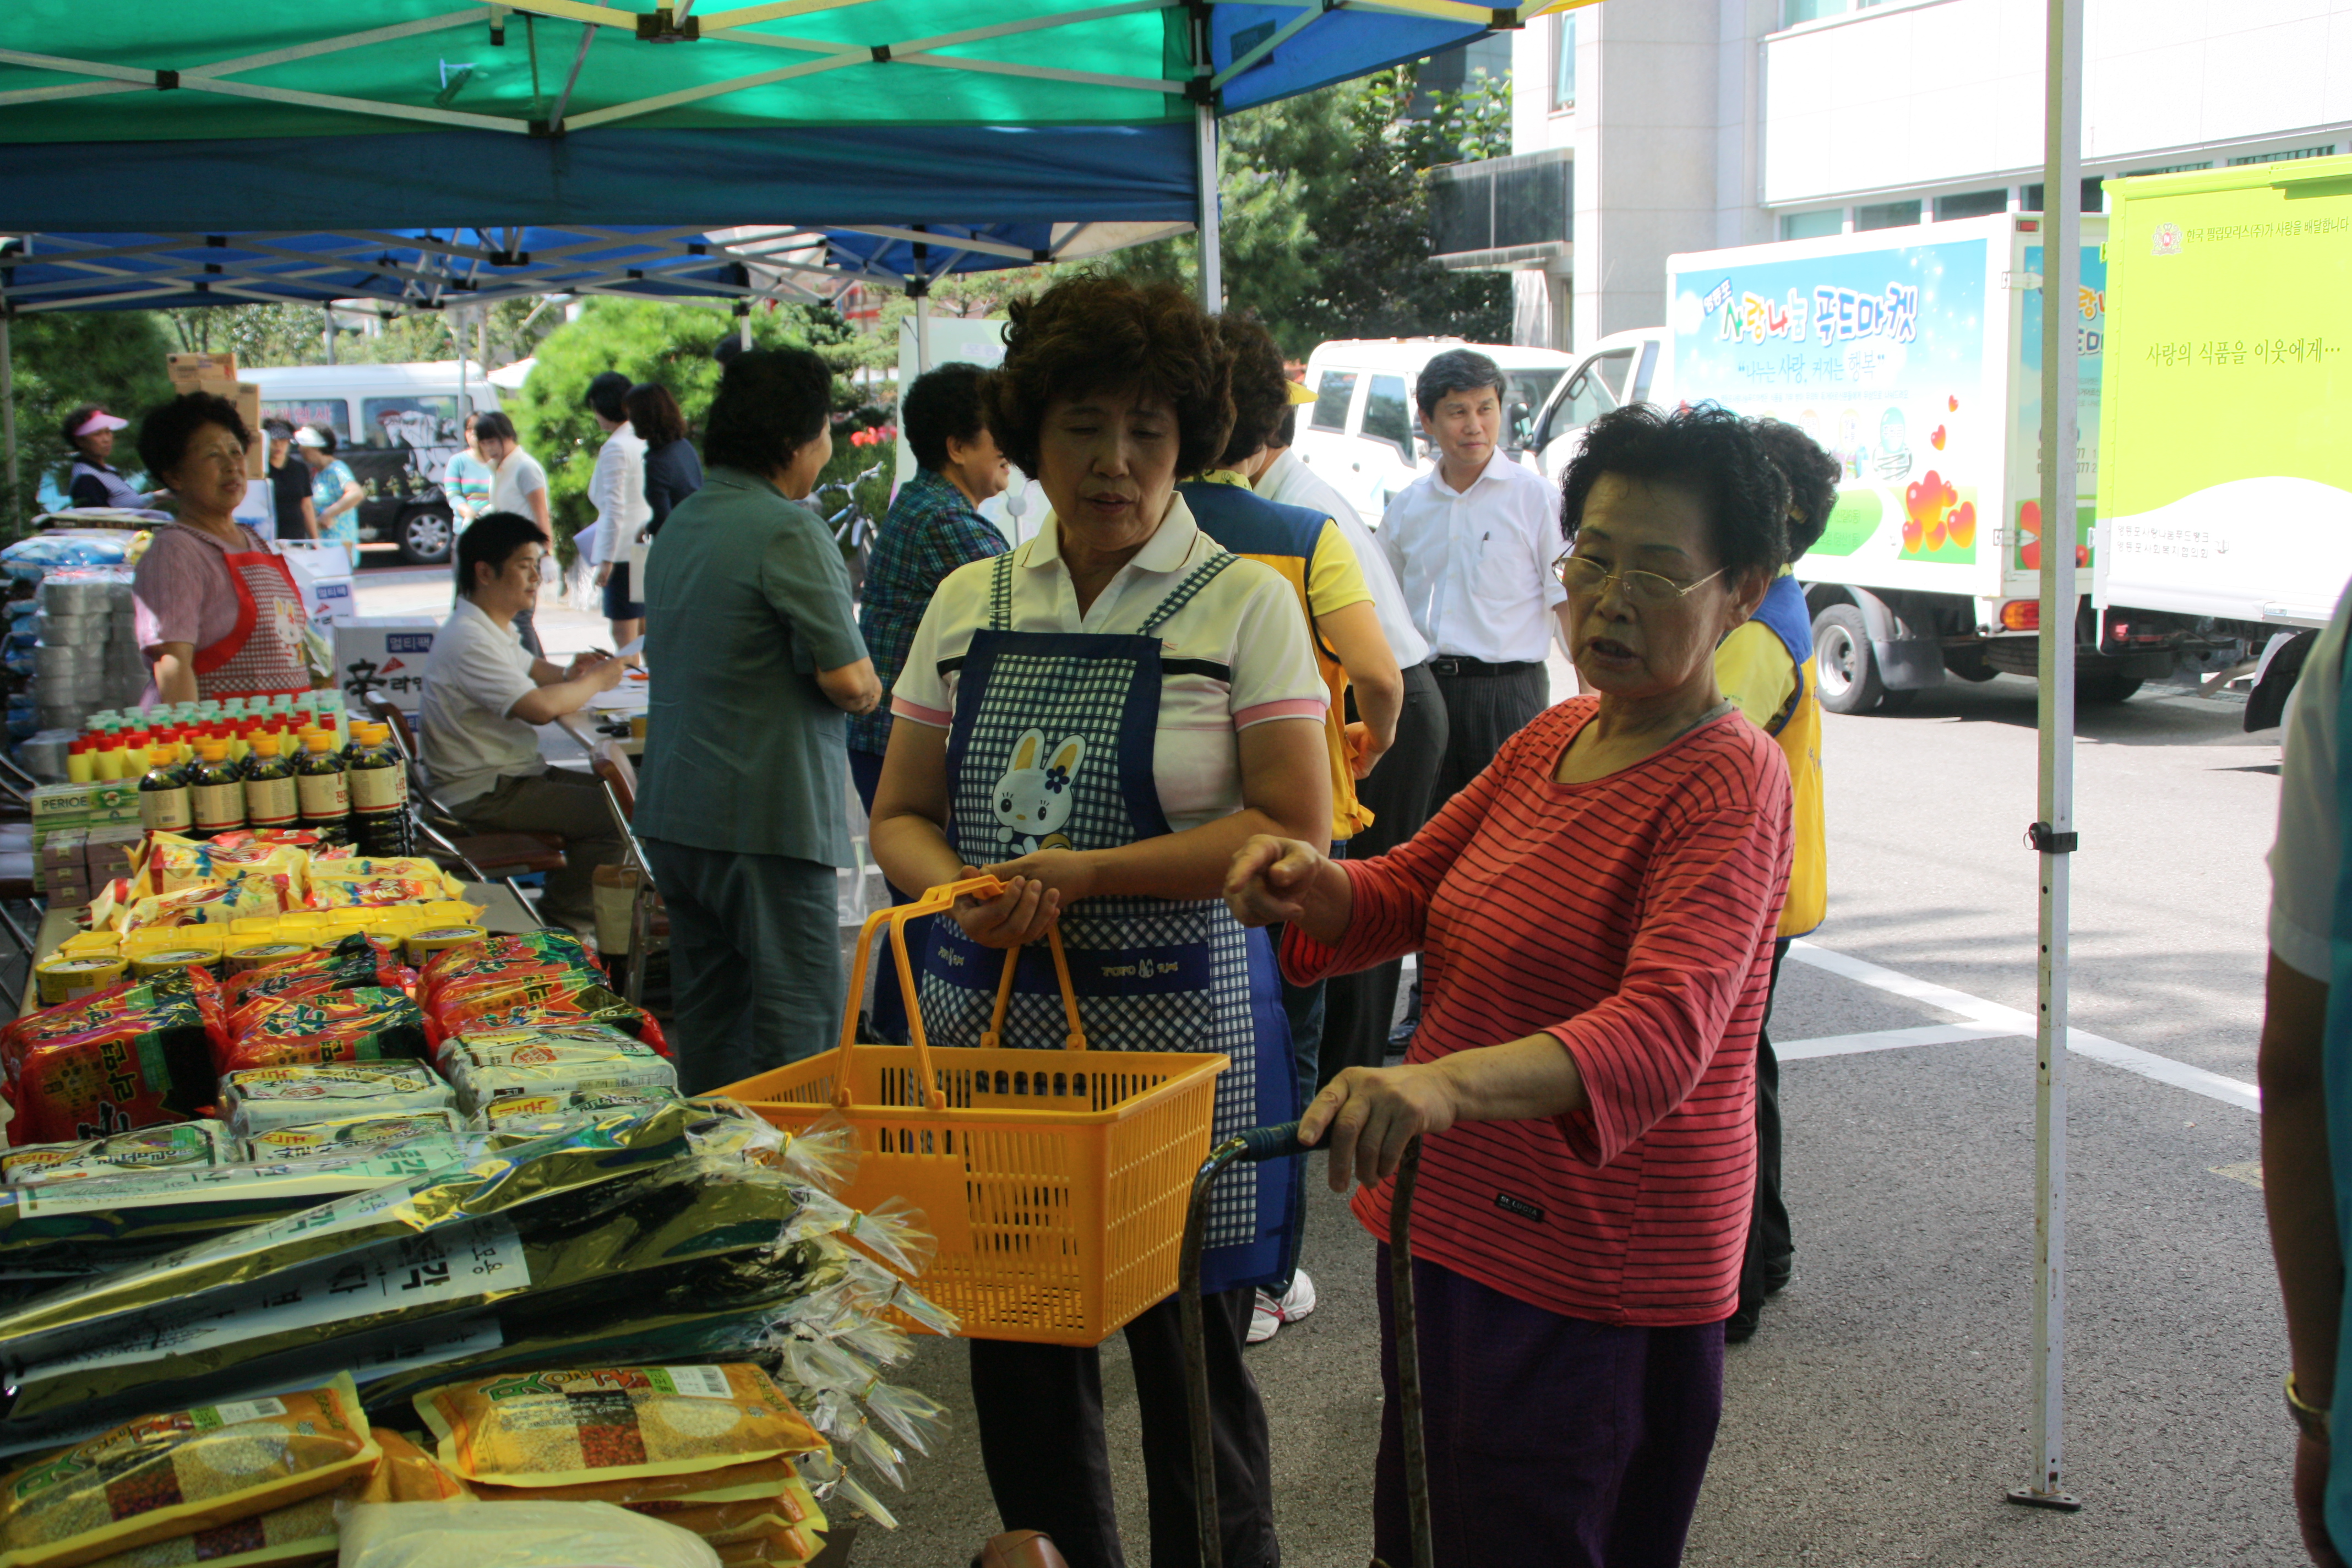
[275,335]
[1326,214]
[670,344]
[112,358]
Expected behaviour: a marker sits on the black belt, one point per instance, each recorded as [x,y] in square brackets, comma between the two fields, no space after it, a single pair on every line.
[1454,664]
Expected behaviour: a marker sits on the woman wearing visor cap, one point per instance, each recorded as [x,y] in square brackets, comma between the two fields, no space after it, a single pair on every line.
[94,482]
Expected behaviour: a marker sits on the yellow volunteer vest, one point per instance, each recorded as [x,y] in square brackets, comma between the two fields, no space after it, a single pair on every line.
[1284,537]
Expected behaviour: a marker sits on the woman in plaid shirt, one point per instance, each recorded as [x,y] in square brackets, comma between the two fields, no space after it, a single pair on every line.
[933,528]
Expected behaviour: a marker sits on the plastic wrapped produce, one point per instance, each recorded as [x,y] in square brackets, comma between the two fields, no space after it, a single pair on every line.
[255,1100]
[69,1229]
[509,1064]
[560,1427]
[363,1025]
[616,1213]
[351,1135]
[356,960]
[515,1535]
[298,1533]
[130,1055]
[557,1003]
[181,1145]
[167,1475]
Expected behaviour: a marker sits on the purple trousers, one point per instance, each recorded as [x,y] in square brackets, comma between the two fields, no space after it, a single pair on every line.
[1552,1442]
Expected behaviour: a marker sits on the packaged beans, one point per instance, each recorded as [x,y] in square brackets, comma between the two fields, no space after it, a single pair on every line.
[173,1474]
[557,1427]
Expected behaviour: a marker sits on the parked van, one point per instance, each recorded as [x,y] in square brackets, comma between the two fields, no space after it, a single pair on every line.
[1363,435]
[397,426]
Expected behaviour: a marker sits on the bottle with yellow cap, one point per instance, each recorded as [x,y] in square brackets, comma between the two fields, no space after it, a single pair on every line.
[165,805]
[219,790]
[270,799]
[322,794]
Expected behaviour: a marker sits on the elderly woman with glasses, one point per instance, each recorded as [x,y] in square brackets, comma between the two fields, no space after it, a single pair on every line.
[1594,915]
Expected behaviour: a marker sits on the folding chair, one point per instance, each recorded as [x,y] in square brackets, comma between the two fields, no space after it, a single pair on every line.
[482,857]
[647,923]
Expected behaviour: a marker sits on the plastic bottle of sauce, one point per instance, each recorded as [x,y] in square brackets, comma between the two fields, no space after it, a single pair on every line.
[219,790]
[322,796]
[373,776]
[164,802]
[270,798]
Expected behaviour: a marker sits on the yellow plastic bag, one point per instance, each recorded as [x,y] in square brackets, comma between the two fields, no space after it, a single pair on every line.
[175,1474]
[557,1427]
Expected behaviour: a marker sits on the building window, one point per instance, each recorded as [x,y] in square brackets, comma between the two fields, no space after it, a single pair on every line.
[2094,195]
[1971,204]
[1813,225]
[2169,169]
[1795,11]
[2287,157]
[1886,214]
[1563,70]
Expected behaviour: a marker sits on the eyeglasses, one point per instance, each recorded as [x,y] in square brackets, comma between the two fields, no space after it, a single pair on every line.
[1582,575]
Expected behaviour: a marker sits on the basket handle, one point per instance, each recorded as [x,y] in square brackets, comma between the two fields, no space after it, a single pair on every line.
[1076,1040]
[933,902]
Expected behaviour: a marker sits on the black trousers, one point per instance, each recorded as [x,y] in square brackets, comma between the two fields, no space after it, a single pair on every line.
[1482,711]
[1041,1436]
[1357,1008]
[1770,1249]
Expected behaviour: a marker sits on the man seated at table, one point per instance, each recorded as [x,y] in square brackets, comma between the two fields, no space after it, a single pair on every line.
[483,693]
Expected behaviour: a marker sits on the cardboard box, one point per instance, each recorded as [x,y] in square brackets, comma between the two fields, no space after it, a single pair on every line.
[386,654]
[323,574]
[190,372]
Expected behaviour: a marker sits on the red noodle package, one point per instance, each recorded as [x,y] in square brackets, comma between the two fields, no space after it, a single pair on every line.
[363,1025]
[357,960]
[133,1054]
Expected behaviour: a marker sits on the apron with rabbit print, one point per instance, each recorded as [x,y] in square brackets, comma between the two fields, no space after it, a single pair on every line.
[1051,746]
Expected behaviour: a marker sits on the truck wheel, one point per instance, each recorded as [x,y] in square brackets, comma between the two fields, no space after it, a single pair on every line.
[1846,674]
[424,536]
[2104,686]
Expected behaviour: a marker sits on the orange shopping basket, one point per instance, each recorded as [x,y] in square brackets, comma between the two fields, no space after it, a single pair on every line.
[1056,1181]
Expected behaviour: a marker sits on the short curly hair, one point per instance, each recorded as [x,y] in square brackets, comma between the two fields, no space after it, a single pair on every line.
[1095,332]
[770,403]
[1812,475]
[164,434]
[1261,387]
[1707,448]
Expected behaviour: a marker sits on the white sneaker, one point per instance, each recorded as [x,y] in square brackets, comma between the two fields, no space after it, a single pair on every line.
[1270,1313]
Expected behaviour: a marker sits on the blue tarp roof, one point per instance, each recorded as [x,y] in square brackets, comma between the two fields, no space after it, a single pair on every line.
[431,268]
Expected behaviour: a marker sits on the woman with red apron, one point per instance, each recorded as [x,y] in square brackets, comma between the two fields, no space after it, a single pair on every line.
[218,614]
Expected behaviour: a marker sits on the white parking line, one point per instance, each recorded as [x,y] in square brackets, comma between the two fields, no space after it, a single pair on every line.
[1990,1020]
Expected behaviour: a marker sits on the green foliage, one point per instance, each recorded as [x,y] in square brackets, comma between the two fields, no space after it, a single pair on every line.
[1327,214]
[114,358]
[275,335]
[670,344]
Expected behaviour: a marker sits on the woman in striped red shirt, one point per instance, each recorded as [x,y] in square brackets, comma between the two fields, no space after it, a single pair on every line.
[1594,916]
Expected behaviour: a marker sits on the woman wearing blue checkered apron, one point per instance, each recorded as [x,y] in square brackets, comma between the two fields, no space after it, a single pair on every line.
[1102,718]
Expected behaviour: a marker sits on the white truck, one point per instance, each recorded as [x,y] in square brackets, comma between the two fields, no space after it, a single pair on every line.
[1913,355]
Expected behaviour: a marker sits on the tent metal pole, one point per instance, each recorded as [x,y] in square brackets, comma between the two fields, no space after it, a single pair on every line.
[2053,836]
[8,413]
[1213,261]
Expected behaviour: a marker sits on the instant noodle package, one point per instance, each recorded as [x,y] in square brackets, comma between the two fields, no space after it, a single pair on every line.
[259,1100]
[130,1055]
[179,1145]
[567,1425]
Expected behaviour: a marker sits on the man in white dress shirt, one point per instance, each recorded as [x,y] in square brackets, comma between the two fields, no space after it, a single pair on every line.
[618,490]
[1473,543]
[1357,1008]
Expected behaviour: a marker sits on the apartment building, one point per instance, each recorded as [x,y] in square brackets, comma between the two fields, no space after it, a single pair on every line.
[1645,127]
